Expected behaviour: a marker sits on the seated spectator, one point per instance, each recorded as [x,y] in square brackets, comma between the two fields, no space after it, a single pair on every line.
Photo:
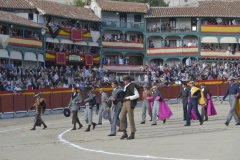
[8,88]
[140,40]
[189,44]
[151,45]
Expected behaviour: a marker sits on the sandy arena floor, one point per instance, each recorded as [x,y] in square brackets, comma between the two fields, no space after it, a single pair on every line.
[171,141]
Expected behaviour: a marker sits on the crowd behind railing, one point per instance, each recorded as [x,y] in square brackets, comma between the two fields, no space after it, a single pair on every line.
[16,78]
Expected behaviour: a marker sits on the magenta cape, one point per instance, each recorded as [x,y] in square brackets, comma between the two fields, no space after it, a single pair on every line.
[211,111]
[164,110]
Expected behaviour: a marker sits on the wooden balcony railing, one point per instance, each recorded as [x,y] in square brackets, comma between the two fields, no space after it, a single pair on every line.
[219,54]
[230,29]
[25,42]
[172,51]
[123,45]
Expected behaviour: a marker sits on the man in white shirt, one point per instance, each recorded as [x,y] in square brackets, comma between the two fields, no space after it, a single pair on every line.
[189,44]
[189,62]
[131,96]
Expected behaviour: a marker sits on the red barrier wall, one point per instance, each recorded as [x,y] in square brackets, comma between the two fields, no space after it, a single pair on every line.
[19,103]
[10,103]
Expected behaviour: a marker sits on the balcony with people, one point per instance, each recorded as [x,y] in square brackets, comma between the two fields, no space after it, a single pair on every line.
[220,48]
[22,37]
[220,26]
[127,41]
[172,46]
[171,25]
[123,21]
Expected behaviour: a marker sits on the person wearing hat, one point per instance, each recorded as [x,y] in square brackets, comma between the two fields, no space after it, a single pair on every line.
[103,106]
[131,95]
[185,94]
[156,105]
[90,101]
[146,105]
[39,106]
[74,103]
[204,107]
[232,91]
[193,103]
[116,98]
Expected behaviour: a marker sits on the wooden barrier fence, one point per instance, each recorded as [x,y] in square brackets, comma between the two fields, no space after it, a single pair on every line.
[60,98]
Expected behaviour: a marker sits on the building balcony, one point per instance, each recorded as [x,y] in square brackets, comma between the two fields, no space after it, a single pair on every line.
[172,51]
[25,42]
[224,29]
[123,45]
[113,25]
[219,54]
[66,32]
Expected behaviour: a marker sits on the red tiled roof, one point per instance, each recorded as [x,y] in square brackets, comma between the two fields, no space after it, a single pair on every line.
[11,18]
[204,9]
[15,4]
[107,5]
[64,10]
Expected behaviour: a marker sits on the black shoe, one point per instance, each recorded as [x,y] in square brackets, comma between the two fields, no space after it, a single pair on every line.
[94,125]
[45,127]
[153,124]
[226,124]
[142,123]
[74,128]
[205,119]
[99,124]
[187,125]
[80,126]
[184,119]
[201,123]
[111,135]
[237,124]
[164,121]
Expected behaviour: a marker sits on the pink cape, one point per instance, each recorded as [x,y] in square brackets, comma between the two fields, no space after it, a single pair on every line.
[211,111]
[164,110]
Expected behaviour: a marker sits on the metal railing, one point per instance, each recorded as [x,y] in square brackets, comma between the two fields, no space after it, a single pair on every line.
[118,24]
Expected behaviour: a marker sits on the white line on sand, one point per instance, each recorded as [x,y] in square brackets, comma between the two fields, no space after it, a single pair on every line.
[60,137]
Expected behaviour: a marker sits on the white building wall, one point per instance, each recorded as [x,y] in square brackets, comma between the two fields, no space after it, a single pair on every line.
[111,16]
[95,8]
[181,2]
[171,61]
[24,15]
[151,22]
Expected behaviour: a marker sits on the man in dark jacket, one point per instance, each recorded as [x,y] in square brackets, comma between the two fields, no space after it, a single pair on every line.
[204,108]
[185,94]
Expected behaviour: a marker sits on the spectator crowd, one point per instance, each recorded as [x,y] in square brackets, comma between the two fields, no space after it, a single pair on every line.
[17,78]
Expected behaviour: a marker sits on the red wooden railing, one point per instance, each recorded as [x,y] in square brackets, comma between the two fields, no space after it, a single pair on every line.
[59,98]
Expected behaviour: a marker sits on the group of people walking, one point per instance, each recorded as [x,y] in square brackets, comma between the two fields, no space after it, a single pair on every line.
[124,98]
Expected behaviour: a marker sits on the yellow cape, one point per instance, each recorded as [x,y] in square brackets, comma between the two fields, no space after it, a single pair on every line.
[201,100]
[238,107]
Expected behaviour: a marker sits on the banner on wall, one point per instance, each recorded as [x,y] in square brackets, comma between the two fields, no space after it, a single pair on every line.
[76,35]
[60,58]
[4,40]
[54,30]
[95,35]
[88,60]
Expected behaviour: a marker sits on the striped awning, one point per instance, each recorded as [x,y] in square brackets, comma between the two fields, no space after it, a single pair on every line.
[209,39]
[228,40]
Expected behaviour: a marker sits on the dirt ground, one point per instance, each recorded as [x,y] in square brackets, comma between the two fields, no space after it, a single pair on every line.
[171,141]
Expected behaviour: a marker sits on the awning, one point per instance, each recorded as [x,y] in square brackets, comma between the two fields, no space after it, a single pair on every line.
[81,43]
[30,56]
[55,40]
[16,55]
[3,53]
[209,39]
[40,58]
[228,40]
[239,40]
[66,41]
[92,44]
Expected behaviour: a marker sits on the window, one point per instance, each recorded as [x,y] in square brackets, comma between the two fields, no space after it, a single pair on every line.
[173,43]
[172,22]
[123,17]
[30,16]
[137,18]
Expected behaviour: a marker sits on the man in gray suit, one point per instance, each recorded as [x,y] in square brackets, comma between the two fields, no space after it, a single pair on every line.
[90,101]
[75,100]
[185,94]
[116,100]
[232,91]
[104,99]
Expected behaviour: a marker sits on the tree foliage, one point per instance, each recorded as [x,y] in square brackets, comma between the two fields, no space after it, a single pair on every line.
[78,3]
[153,3]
